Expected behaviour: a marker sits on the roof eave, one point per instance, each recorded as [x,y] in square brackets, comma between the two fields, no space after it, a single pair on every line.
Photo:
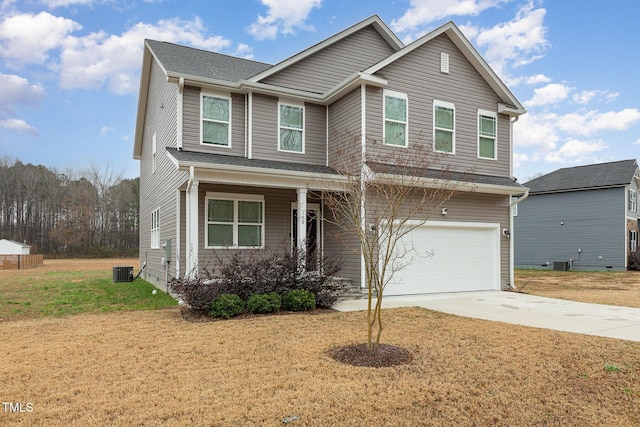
[145,75]
[463,186]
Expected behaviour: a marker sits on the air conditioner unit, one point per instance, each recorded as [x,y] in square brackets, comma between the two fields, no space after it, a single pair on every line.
[122,274]
[561,265]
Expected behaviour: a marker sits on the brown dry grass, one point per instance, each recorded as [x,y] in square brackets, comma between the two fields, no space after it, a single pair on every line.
[608,287]
[154,368]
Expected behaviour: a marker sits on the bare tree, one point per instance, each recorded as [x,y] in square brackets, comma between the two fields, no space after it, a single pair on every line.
[389,193]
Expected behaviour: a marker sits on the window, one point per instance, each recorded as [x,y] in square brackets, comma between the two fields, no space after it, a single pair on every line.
[633,203]
[487,134]
[291,120]
[514,209]
[216,120]
[153,154]
[395,118]
[155,228]
[444,134]
[234,220]
[633,240]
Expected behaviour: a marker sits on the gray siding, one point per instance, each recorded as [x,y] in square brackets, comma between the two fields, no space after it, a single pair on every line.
[191,124]
[332,65]
[551,227]
[158,190]
[345,128]
[265,133]
[418,75]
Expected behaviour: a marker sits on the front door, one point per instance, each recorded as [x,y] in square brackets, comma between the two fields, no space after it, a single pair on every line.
[312,231]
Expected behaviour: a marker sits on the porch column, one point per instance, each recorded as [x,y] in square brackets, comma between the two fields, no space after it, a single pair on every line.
[192,228]
[301,243]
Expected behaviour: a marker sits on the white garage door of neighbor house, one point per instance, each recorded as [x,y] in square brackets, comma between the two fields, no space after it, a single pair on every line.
[448,257]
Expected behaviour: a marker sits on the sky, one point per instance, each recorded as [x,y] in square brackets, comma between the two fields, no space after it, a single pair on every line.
[70,69]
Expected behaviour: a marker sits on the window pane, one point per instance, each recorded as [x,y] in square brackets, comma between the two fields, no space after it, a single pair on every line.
[444,141]
[487,126]
[444,117]
[487,148]
[394,133]
[215,108]
[220,235]
[249,212]
[215,133]
[291,117]
[395,108]
[220,211]
[249,235]
[291,140]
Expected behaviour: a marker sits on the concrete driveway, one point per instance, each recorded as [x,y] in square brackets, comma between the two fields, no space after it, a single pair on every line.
[522,309]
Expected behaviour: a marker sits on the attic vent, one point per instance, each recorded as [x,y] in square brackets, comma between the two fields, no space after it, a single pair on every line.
[444,62]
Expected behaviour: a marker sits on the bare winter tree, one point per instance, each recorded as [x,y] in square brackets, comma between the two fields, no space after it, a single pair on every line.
[389,193]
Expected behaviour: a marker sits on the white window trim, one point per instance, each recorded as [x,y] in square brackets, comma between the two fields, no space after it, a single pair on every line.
[633,243]
[290,103]
[202,119]
[235,197]
[493,114]
[452,106]
[155,230]
[399,95]
[632,201]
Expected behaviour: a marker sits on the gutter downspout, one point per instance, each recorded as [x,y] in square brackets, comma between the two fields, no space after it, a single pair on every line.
[180,108]
[512,279]
[189,263]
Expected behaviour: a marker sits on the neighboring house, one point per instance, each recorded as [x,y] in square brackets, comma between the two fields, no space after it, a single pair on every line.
[233,152]
[579,218]
[10,247]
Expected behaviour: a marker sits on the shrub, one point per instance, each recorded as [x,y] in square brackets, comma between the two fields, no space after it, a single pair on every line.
[198,291]
[634,261]
[227,306]
[299,300]
[264,303]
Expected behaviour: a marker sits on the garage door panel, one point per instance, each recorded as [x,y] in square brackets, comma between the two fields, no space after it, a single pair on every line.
[447,258]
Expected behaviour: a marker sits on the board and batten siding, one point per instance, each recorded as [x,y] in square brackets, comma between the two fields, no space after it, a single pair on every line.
[333,64]
[418,75]
[191,124]
[158,189]
[265,132]
[551,228]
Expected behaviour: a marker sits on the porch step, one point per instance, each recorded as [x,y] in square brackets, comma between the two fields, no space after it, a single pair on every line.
[349,290]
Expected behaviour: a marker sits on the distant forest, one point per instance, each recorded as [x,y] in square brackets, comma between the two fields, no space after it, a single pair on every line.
[73,213]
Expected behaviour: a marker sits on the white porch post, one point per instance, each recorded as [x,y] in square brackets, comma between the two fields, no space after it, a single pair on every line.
[192,228]
[302,225]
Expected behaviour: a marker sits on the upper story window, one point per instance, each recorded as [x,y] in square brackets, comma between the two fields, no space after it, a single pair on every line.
[395,118]
[291,128]
[444,125]
[633,203]
[155,228]
[234,220]
[216,120]
[487,134]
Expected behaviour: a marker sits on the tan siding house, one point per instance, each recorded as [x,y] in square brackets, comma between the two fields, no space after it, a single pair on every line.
[217,129]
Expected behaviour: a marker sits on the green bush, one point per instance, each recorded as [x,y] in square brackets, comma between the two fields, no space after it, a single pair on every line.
[299,300]
[264,303]
[226,306]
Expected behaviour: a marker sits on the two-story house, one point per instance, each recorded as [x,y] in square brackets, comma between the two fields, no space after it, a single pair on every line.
[236,154]
[579,218]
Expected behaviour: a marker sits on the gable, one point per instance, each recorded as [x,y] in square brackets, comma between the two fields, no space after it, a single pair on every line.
[333,64]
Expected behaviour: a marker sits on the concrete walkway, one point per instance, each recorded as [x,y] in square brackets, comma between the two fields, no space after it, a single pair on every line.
[522,309]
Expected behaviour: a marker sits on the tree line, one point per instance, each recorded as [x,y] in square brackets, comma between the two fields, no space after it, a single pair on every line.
[92,212]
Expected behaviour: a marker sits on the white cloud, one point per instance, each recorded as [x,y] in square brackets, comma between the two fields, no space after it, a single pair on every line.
[51,4]
[283,16]
[16,90]
[422,12]
[18,125]
[575,151]
[587,96]
[549,94]
[589,122]
[27,39]
[517,42]
[104,130]
[637,142]
[99,59]
[537,79]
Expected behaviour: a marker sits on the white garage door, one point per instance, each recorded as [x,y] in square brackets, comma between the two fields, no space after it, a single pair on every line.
[448,257]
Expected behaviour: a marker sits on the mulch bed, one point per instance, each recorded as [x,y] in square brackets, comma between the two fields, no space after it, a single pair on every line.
[201,316]
[383,356]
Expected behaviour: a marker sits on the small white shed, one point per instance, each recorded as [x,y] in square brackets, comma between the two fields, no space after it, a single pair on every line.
[10,247]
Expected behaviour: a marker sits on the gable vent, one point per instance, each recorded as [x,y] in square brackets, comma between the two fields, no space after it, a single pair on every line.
[444,62]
